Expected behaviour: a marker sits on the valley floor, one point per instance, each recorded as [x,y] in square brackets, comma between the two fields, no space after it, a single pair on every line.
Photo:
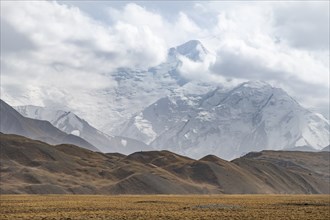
[165,207]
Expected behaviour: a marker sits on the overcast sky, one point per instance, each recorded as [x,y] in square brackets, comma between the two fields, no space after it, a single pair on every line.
[59,49]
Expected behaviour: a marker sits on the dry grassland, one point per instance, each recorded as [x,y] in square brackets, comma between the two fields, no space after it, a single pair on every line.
[165,207]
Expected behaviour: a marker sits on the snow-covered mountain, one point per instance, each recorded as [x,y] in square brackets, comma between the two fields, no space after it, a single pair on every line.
[72,124]
[13,122]
[158,106]
[138,88]
[65,121]
[135,89]
[131,90]
[193,50]
[250,117]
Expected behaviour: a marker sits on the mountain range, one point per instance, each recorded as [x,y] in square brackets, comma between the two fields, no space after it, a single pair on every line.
[70,123]
[14,123]
[157,108]
[253,116]
[34,167]
[157,132]
[137,88]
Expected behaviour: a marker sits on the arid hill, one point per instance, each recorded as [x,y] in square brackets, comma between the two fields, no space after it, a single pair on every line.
[34,167]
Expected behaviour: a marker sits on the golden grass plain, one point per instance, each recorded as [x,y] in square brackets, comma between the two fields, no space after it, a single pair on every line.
[165,207]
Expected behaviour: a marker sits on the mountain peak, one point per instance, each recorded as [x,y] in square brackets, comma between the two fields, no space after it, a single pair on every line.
[193,49]
[255,84]
[189,45]
[12,122]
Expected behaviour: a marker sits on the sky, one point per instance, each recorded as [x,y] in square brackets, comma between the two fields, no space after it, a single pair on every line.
[52,51]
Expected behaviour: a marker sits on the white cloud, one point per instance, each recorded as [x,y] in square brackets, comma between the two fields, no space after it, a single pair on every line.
[71,52]
[173,33]
[199,70]
[275,42]
[303,24]
[136,15]
[186,24]
[64,52]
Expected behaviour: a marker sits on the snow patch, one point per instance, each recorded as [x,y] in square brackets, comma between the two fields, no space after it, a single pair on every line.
[75,132]
[145,127]
[123,142]
[301,142]
[205,116]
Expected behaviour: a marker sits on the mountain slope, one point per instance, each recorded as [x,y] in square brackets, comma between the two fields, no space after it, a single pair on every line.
[305,167]
[131,90]
[70,123]
[120,110]
[327,148]
[137,88]
[193,50]
[14,123]
[250,117]
[34,167]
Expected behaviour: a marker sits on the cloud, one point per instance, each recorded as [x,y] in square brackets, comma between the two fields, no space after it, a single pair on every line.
[57,55]
[198,70]
[276,43]
[63,50]
[55,52]
[284,44]
[180,29]
[240,60]
[13,41]
[303,24]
